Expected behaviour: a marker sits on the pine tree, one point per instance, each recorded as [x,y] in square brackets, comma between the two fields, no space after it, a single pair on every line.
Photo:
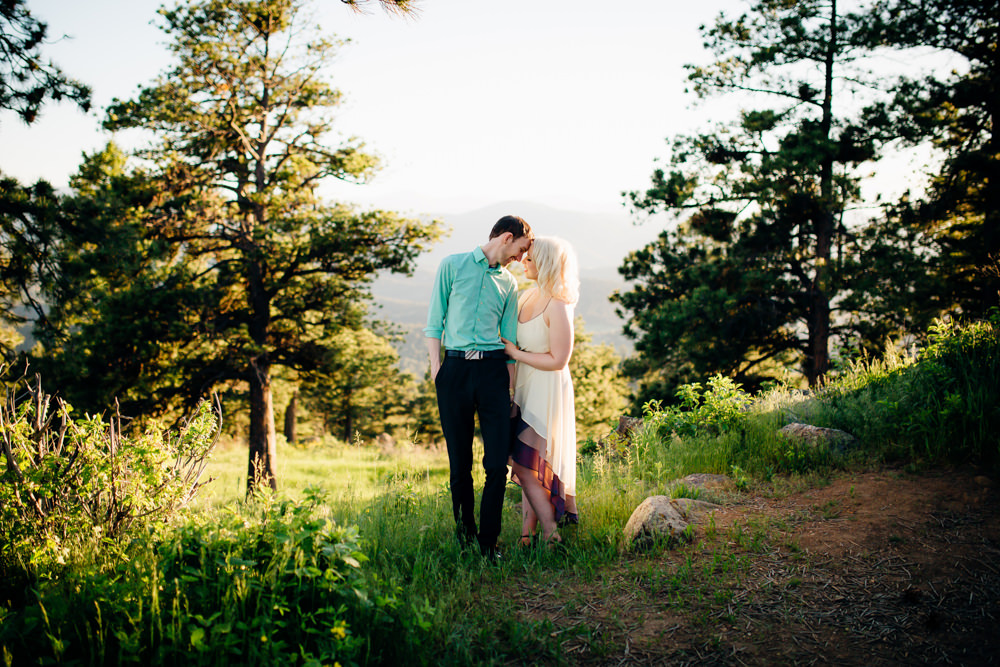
[273,272]
[754,278]
[958,114]
[26,81]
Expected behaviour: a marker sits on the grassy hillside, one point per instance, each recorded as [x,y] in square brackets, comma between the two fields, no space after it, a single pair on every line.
[358,564]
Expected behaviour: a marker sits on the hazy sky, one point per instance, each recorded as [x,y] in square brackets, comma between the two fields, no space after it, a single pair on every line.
[470,103]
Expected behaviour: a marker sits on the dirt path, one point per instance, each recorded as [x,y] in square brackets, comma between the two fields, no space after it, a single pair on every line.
[878,568]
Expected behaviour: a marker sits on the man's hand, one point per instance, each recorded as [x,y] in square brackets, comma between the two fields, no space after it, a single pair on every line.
[434,352]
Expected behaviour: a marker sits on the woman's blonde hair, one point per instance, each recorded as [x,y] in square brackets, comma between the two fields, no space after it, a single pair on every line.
[558,273]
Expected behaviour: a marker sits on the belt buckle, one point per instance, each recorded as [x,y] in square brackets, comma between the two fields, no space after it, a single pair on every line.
[473,355]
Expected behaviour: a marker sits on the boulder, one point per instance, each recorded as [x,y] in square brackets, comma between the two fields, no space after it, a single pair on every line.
[838,442]
[660,517]
[692,510]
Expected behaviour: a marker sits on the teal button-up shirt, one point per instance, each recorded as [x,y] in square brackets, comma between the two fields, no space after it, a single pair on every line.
[472,304]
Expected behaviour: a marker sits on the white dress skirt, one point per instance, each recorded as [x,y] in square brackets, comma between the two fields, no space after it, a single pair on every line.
[544,427]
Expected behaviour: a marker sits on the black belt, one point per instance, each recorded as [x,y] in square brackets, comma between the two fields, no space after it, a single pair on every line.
[476,355]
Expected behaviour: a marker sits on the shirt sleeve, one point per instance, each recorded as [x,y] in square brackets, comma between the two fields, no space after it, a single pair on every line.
[508,322]
[439,301]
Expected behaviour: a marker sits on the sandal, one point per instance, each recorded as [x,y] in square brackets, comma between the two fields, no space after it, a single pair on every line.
[526,541]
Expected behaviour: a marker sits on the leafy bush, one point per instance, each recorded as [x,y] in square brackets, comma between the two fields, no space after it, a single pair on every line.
[940,405]
[717,409]
[68,481]
[276,583]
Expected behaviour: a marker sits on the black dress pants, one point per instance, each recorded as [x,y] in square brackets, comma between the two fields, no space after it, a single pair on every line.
[465,387]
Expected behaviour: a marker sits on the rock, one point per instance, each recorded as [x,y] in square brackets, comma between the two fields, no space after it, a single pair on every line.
[692,510]
[655,517]
[838,442]
[660,517]
[708,482]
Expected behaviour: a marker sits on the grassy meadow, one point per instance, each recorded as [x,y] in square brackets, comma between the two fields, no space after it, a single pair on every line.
[354,561]
[354,473]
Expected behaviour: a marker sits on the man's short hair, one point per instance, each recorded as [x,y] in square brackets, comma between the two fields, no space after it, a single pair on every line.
[513,224]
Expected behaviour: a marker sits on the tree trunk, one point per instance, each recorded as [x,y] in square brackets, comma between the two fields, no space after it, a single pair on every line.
[990,290]
[348,416]
[818,356]
[262,469]
[263,440]
[290,419]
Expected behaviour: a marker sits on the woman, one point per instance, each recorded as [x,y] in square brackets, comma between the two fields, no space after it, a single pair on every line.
[543,456]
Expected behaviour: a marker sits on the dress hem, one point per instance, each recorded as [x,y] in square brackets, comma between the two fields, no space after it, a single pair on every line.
[525,454]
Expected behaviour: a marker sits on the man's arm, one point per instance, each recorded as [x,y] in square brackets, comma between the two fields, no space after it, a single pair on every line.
[508,320]
[508,330]
[434,331]
[434,352]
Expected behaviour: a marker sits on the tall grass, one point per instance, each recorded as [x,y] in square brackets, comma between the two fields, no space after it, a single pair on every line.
[356,561]
[939,405]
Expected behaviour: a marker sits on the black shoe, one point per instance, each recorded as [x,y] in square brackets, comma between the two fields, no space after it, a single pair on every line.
[466,535]
[492,555]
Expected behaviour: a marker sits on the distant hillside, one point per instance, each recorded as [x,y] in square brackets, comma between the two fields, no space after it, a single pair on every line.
[601,242]
[404,301]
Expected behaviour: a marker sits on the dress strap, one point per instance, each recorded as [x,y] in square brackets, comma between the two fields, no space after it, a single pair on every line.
[521,301]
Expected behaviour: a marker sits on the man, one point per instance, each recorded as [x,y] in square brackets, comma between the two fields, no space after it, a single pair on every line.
[473,304]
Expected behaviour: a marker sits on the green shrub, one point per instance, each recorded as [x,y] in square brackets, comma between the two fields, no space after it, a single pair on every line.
[717,409]
[277,582]
[69,482]
[939,405]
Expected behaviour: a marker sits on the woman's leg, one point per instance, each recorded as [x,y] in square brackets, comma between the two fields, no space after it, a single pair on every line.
[538,500]
[529,520]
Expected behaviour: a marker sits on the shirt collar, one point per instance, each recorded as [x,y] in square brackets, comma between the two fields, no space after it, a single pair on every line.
[480,258]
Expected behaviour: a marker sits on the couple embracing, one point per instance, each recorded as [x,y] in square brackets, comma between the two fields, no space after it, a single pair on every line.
[505,357]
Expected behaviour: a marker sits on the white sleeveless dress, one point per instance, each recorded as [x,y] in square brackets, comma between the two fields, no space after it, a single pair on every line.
[545,433]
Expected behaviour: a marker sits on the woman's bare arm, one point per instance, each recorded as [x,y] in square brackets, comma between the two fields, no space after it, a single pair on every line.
[559,316]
